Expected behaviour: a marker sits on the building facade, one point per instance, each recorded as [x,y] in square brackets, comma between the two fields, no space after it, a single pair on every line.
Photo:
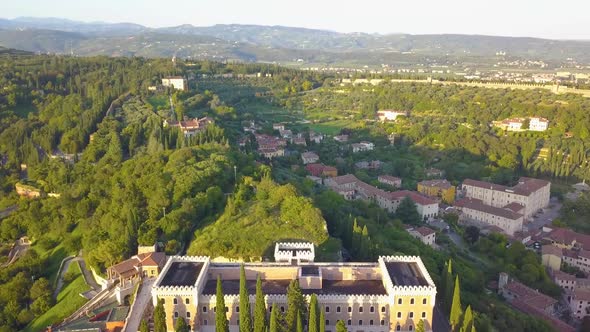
[441,189]
[177,82]
[392,294]
[532,194]
[475,212]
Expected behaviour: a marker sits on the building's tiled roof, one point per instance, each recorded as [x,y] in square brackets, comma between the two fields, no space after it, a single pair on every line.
[425,231]
[530,296]
[551,250]
[580,294]
[514,207]
[525,187]
[345,179]
[442,184]
[527,308]
[308,155]
[478,205]
[152,259]
[414,196]
[560,275]
[567,237]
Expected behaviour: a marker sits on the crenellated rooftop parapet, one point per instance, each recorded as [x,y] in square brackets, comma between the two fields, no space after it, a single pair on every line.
[393,290]
[300,251]
[159,290]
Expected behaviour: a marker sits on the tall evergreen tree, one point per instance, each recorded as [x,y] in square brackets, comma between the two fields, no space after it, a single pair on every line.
[295,302]
[340,326]
[259,308]
[456,310]
[221,324]
[365,246]
[245,313]
[313,314]
[420,326]
[299,327]
[322,321]
[160,317]
[143,326]
[407,212]
[181,325]
[274,319]
[467,320]
[448,287]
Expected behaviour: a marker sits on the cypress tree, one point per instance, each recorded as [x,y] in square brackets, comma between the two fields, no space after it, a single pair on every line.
[322,321]
[420,326]
[181,325]
[160,317]
[259,308]
[143,326]
[295,302]
[455,316]
[299,322]
[221,324]
[448,287]
[274,319]
[467,320]
[313,314]
[340,327]
[245,315]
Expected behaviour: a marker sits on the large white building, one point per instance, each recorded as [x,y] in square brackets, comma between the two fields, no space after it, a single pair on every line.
[177,82]
[532,194]
[392,294]
[389,115]
[345,184]
[475,212]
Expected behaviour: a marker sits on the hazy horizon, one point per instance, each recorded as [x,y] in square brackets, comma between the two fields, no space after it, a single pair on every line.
[526,18]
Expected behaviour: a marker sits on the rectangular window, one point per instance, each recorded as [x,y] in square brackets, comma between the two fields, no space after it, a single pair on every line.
[187,301]
[382,309]
[205,322]
[175,301]
[411,314]
[176,314]
[360,309]
[360,322]
[371,322]
[188,314]
[349,309]
[349,322]
[327,322]
[399,314]
[372,309]
[237,309]
[204,309]
[327,309]
[423,314]
[382,322]
[338,309]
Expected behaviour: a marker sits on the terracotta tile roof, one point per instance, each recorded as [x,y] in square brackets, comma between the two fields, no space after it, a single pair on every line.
[560,275]
[414,196]
[478,205]
[514,207]
[425,231]
[152,259]
[345,179]
[557,324]
[530,296]
[126,267]
[442,184]
[580,294]
[551,250]
[568,237]
[525,187]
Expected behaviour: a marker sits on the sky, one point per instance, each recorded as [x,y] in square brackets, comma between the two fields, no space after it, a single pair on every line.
[563,19]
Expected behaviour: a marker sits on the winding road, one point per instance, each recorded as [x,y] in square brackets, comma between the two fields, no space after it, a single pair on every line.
[86,274]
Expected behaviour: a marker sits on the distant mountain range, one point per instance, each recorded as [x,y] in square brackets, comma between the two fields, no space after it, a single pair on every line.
[277,44]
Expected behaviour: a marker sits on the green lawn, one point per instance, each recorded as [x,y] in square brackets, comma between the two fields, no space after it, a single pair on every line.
[68,301]
[159,101]
[54,256]
[333,127]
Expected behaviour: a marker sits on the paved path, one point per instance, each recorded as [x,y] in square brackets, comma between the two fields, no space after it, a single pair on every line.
[144,296]
[6,212]
[88,277]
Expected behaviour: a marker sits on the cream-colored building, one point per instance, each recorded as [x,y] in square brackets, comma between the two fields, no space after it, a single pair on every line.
[424,234]
[532,194]
[551,257]
[392,294]
[475,212]
[177,82]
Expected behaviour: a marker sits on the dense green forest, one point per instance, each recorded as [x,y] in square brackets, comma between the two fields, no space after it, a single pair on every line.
[89,130]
